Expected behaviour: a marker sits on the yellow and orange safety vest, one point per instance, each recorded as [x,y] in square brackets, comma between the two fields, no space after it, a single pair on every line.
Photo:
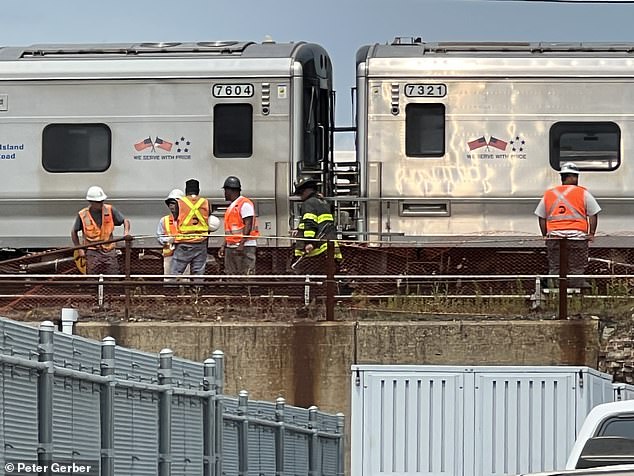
[171,229]
[193,212]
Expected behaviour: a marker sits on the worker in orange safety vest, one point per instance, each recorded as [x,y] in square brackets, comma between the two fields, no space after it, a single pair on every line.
[241,230]
[96,223]
[568,211]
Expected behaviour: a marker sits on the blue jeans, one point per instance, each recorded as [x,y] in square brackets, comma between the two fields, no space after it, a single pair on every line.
[193,254]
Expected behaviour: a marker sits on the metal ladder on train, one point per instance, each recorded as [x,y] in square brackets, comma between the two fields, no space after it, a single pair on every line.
[346,191]
[341,186]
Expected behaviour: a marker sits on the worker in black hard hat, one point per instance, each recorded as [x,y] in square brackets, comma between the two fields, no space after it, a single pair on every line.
[241,230]
[316,227]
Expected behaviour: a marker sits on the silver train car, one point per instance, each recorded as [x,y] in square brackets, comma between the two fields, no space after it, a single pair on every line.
[141,119]
[456,142]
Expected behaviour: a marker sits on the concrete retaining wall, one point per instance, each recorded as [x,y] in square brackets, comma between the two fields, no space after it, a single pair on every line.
[309,363]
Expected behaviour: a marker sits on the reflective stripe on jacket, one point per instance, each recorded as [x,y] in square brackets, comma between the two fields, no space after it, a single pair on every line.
[566,208]
[171,229]
[316,223]
[234,223]
[93,233]
[193,212]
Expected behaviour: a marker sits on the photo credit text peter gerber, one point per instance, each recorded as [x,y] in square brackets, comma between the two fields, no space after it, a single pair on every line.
[54,468]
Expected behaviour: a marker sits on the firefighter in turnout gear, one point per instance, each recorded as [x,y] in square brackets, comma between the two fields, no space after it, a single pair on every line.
[317,224]
[193,231]
[568,211]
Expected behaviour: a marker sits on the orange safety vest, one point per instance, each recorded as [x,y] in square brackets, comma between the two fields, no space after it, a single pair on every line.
[94,233]
[171,229]
[234,224]
[193,212]
[566,208]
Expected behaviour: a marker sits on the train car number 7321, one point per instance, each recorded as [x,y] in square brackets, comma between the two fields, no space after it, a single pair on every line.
[426,90]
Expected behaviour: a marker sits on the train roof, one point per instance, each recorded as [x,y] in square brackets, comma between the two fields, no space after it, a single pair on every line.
[161,59]
[415,47]
[414,56]
[246,49]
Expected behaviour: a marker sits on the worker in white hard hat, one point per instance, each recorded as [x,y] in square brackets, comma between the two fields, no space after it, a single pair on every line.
[168,229]
[96,223]
[568,211]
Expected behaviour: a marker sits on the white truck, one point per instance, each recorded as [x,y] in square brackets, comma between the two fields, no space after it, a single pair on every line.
[606,437]
[604,445]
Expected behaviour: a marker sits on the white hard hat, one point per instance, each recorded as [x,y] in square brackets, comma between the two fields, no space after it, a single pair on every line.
[213,222]
[175,194]
[569,168]
[95,194]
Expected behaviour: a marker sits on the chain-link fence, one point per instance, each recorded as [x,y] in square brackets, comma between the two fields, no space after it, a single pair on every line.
[492,278]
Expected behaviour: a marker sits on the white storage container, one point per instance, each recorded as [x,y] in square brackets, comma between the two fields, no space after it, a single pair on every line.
[468,421]
[623,391]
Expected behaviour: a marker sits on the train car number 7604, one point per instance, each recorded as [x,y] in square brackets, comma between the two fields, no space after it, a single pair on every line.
[426,90]
[232,90]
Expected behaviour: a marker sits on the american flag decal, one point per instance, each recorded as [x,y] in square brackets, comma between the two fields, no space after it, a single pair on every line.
[144,144]
[163,144]
[477,143]
[497,143]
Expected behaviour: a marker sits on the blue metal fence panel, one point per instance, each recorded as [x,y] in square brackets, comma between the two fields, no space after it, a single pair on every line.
[19,340]
[187,374]
[76,412]
[261,455]
[135,365]
[187,442]
[86,422]
[264,410]
[20,413]
[329,456]
[193,423]
[145,430]
[63,418]
[124,434]
[86,354]
[230,454]
[295,452]
[20,393]
[296,416]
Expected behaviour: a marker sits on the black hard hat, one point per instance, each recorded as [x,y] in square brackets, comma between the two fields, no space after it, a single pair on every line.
[232,182]
[192,187]
[305,182]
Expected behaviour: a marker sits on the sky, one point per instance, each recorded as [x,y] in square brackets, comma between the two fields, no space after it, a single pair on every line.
[340,26]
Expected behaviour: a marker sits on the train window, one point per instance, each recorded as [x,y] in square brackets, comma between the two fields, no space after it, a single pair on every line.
[315,120]
[425,130]
[590,145]
[233,130]
[76,148]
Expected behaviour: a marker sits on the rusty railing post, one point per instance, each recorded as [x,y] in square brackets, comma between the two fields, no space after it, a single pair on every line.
[330,281]
[563,278]
[128,259]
